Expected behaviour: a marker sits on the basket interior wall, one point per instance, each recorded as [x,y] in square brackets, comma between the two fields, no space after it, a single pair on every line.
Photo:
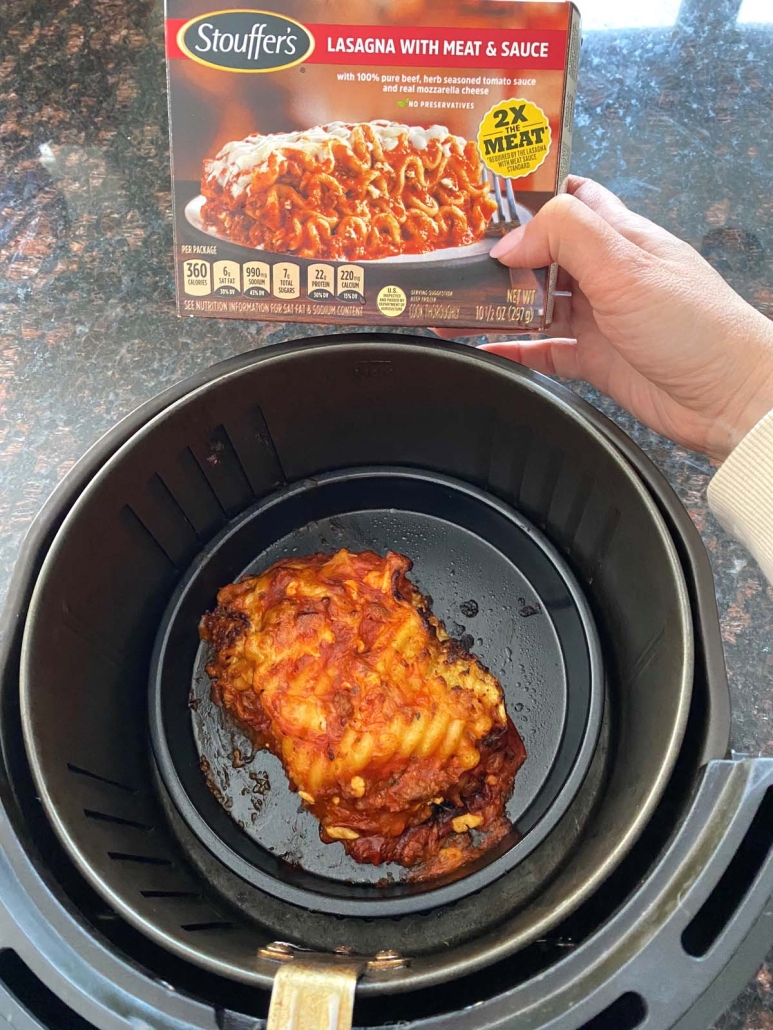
[288,417]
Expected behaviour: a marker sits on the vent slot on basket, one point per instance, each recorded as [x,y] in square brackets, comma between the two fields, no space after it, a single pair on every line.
[155,506]
[101,779]
[187,895]
[122,856]
[198,927]
[220,464]
[717,910]
[134,524]
[569,524]
[628,1012]
[105,817]
[32,994]
[254,447]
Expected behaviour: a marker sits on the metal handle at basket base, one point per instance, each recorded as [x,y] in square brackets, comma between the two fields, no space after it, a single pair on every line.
[313,996]
[313,991]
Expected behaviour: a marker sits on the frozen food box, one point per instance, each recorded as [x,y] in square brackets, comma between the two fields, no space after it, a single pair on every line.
[354,161]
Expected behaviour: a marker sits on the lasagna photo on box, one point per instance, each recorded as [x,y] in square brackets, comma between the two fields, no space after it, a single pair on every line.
[349,191]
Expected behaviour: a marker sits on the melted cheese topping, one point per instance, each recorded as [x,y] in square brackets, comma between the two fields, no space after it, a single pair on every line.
[236,161]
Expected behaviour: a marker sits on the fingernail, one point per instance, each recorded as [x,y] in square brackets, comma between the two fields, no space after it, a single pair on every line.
[508,243]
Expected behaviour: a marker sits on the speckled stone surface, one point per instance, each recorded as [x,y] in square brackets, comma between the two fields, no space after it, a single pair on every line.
[677,120]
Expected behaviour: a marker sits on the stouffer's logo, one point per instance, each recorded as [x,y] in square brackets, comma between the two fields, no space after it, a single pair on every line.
[243,40]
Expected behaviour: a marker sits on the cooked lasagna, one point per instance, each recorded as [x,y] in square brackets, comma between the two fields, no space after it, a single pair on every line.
[393,735]
[349,191]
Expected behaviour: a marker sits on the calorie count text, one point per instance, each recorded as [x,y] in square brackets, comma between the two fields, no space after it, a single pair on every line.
[197,272]
[258,279]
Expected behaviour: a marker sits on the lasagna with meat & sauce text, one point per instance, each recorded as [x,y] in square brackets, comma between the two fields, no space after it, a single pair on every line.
[349,191]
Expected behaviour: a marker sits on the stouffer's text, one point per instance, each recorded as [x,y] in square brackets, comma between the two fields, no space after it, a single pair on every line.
[211,39]
[238,41]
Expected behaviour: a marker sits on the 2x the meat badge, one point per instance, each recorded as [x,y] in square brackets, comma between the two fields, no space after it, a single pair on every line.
[514,138]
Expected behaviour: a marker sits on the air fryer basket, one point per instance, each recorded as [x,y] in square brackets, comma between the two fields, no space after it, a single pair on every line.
[480,562]
[289,414]
[59,967]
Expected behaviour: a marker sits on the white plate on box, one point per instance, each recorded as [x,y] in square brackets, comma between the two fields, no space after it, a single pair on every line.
[431,257]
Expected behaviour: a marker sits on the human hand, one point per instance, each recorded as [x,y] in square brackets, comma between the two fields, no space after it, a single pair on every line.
[649,322]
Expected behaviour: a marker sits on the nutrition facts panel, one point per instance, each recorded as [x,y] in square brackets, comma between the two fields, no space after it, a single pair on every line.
[283,280]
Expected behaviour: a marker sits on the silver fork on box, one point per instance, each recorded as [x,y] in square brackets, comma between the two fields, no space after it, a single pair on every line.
[506,217]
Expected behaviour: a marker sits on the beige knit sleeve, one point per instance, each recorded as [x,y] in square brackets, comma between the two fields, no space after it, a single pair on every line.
[741,493]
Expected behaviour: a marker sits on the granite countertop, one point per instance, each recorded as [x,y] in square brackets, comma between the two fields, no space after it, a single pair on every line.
[674,113]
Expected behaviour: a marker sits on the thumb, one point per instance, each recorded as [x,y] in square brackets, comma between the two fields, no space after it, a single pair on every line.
[568,232]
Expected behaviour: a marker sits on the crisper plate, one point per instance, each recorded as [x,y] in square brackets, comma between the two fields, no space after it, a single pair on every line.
[497,585]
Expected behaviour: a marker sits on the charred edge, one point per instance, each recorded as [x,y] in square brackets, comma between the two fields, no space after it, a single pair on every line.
[223,627]
[482,791]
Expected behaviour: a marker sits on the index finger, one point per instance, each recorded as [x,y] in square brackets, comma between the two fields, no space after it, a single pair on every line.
[568,232]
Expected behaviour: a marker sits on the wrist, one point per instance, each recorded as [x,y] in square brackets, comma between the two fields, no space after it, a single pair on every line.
[752,397]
